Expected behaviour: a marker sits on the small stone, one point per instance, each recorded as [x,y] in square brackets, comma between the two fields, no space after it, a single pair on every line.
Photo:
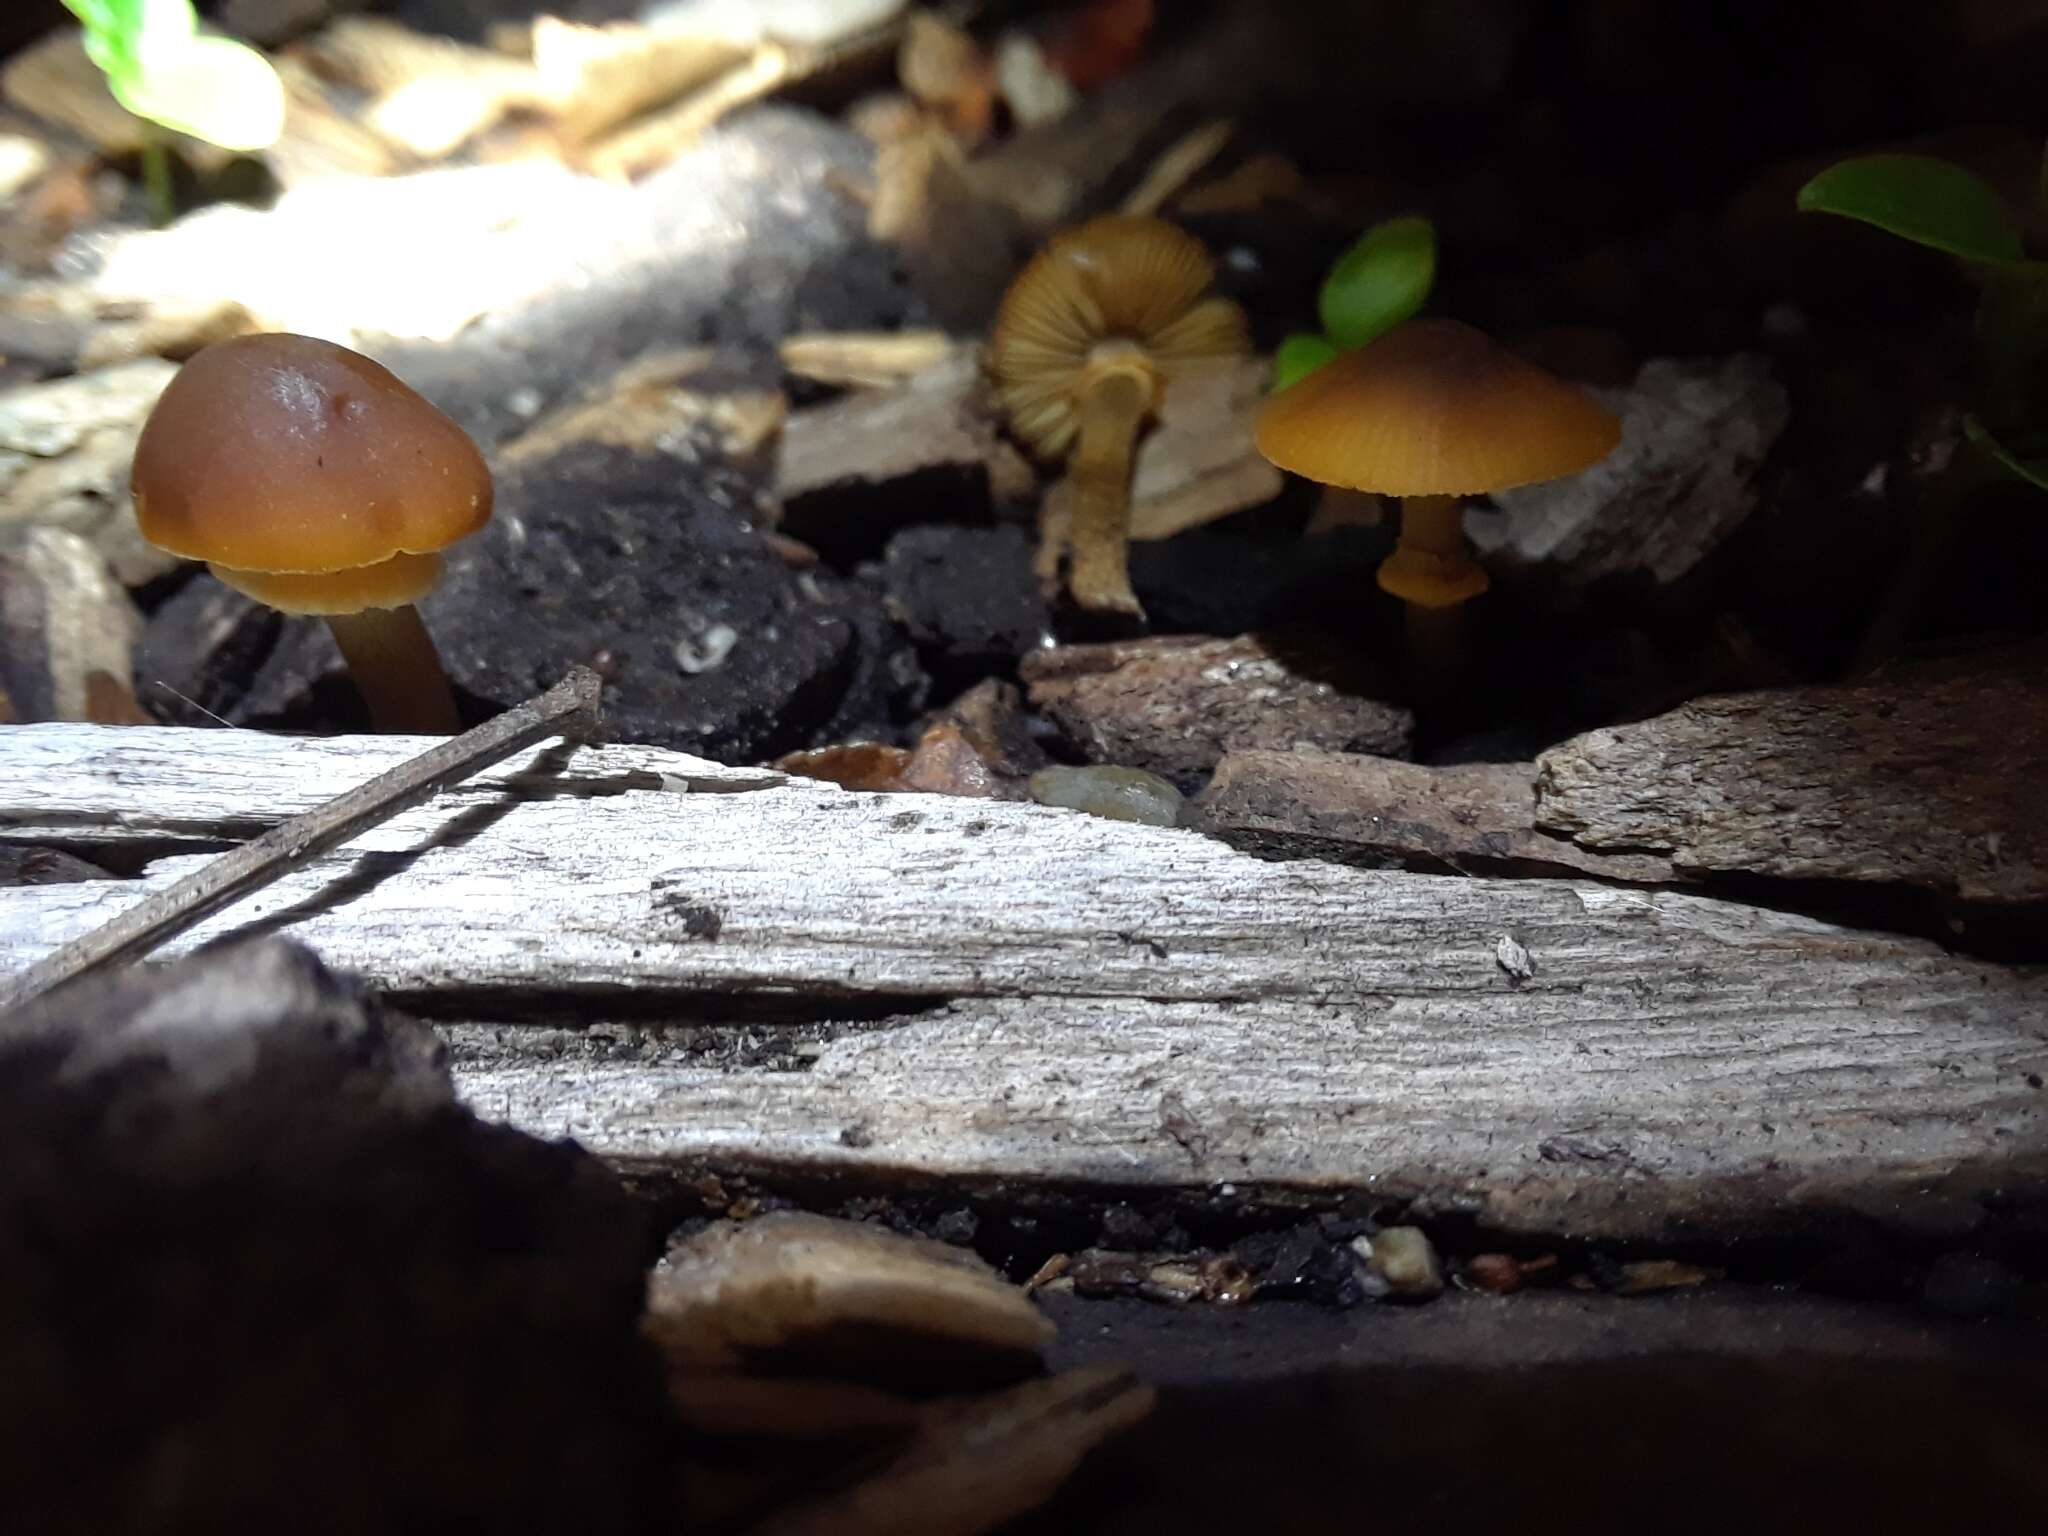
[1176,705]
[1405,1260]
[1036,92]
[1119,794]
[1497,1273]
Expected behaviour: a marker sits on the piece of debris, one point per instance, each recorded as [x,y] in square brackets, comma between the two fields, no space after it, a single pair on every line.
[1404,1261]
[427,95]
[1473,818]
[1176,705]
[1198,463]
[965,596]
[56,81]
[1512,956]
[838,1296]
[1111,791]
[597,78]
[1212,1279]
[744,658]
[245,1124]
[1927,777]
[31,865]
[1684,478]
[173,331]
[863,765]
[1646,1277]
[936,421]
[867,359]
[1032,89]
[67,631]
[22,160]
[946,72]
[976,1465]
[65,449]
[1180,163]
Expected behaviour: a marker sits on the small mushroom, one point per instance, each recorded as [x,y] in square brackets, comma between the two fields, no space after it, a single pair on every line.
[1431,412]
[1089,338]
[313,480]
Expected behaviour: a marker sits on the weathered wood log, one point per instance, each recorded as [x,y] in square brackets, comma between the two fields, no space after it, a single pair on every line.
[1930,778]
[1005,994]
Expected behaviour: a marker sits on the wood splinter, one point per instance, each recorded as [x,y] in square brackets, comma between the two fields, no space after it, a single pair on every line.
[568,709]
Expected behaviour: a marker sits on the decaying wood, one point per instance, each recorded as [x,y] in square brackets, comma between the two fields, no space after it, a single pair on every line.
[938,420]
[1024,995]
[568,709]
[1475,818]
[1175,704]
[1930,778]
[1198,462]
[1195,464]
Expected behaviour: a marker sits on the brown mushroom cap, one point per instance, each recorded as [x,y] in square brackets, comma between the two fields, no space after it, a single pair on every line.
[307,475]
[1433,408]
[1090,297]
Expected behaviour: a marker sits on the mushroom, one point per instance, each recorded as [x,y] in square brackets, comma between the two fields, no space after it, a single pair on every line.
[313,480]
[1431,412]
[1089,338]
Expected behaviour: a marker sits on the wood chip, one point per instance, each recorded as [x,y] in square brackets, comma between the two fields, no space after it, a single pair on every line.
[939,419]
[791,1286]
[1181,163]
[868,359]
[1198,463]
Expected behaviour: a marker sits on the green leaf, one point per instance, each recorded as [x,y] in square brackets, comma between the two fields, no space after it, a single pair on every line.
[1381,281]
[1298,357]
[119,34]
[1918,198]
[212,88]
[2033,471]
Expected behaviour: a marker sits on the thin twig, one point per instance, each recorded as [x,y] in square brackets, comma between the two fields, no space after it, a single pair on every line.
[567,709]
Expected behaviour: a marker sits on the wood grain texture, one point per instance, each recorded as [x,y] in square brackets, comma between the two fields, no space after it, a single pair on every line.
[1030,996]
[1932,778]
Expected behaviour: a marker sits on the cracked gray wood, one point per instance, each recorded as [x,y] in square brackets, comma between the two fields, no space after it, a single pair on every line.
[1026,996]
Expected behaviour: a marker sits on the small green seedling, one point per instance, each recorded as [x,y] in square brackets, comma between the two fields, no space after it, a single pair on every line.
[163,69]
[1946,208]
[1383,279]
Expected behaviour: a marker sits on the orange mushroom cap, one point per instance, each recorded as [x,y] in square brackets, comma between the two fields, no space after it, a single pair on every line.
[1433,408]
[306,475]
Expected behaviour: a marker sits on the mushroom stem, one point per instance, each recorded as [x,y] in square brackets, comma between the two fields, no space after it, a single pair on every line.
[1099,576]
[397,670]
[1433,572]
[1433,525]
